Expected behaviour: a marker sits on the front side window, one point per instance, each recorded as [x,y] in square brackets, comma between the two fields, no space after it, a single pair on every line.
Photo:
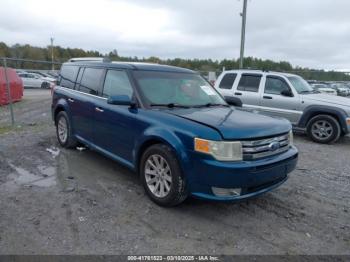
[227,81]
[176,88]
[91,80]
[117,83]
[249,83]
[275,86]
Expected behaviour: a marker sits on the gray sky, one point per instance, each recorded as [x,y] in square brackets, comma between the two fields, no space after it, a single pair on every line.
[308,33]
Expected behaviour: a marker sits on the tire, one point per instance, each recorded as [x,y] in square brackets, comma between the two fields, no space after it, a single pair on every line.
[174,189]
[324,129]
[62,122]
[45,85]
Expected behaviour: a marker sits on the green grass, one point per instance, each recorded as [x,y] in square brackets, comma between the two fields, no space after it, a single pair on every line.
[6,129]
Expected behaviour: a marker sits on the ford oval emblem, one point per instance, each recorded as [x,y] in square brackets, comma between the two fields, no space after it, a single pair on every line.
[274,146]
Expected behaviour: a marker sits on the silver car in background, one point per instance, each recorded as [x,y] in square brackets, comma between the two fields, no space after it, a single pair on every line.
[325,118]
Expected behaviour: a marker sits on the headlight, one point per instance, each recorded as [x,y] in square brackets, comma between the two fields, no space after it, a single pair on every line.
[223,151]
[291,137]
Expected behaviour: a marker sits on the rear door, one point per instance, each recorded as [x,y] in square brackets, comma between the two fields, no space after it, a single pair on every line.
[30,80]
[275,104]
[116,126]
[248,89]
[82,103]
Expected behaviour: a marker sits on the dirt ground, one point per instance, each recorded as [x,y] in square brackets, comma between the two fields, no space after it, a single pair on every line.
[57,201]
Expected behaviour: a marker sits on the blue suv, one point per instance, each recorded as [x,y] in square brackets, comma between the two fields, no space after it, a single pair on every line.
[173,128]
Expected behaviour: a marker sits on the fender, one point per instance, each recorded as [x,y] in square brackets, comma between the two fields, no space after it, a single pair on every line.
[313,110]
[60,103]
[165,136]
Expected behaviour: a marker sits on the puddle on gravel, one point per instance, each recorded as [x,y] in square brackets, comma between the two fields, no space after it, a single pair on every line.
[89,169]
[73,170]
[45,177]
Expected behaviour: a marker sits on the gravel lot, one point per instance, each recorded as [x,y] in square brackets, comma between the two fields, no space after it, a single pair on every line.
[57,201]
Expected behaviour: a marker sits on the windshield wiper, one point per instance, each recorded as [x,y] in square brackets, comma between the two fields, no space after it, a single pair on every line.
[170,105]
[211,104]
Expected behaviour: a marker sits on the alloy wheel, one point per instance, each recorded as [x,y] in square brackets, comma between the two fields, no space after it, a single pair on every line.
[322,129]
[158,176]
[62,129]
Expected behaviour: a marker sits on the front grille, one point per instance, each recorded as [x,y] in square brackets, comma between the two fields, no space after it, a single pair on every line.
[263,186]
[255,149]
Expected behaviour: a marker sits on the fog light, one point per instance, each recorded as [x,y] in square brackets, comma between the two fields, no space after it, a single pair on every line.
[226,192]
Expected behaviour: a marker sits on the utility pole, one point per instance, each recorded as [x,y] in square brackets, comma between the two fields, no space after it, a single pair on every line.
[52,65]
[244,21]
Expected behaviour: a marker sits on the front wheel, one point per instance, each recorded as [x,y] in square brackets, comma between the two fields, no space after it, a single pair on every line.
[162,177]
[324,129]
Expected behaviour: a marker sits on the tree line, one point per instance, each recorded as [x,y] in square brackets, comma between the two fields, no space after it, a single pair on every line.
[203,65]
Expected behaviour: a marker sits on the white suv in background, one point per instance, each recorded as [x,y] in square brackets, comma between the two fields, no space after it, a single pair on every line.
[323,117]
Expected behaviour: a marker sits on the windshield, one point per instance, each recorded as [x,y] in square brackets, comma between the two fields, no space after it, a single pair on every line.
[300,85]
[179,89]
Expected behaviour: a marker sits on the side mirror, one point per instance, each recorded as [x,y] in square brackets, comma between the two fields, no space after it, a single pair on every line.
[233,101]
[287,92]
[122,100]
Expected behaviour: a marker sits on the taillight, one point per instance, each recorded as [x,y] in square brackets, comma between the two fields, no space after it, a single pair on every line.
[52,87]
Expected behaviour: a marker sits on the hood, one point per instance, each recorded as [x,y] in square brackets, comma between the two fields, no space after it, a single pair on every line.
[234,123]
[334,100]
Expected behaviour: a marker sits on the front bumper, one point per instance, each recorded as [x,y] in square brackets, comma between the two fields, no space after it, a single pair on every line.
[252,177]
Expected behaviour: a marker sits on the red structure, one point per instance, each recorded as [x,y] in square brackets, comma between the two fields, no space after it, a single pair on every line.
[16,86]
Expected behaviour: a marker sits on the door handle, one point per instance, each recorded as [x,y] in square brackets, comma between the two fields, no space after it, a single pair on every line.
[238,93]
[267,97]
[71,100]
[99,109]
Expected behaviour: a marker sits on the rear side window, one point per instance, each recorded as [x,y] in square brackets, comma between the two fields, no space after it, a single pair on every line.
[275,85]
[227,81]
[91,81]
[249,83]
[68,76]
[117,83]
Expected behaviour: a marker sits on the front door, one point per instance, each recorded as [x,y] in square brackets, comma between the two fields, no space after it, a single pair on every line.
[275,104]
[116,126]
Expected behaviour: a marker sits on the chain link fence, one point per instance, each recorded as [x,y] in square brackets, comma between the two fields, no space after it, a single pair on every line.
[8,111]
[37,69]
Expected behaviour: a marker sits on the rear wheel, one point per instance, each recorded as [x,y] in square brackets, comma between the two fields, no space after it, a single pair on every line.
[64,131]
[45,85]
[324,129]
[162,177]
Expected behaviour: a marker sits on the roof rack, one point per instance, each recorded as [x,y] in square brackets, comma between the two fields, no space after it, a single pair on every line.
[256,69]
[90,59]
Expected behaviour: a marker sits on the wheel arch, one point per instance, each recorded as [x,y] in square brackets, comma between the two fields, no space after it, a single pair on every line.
[312,111]
[165,138]
[60,106]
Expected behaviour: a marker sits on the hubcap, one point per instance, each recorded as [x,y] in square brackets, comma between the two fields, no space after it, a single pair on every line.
[62,129]
[158,176]
[322,130]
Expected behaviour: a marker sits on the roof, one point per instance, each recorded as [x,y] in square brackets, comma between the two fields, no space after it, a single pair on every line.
[254,71]
[132,66]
